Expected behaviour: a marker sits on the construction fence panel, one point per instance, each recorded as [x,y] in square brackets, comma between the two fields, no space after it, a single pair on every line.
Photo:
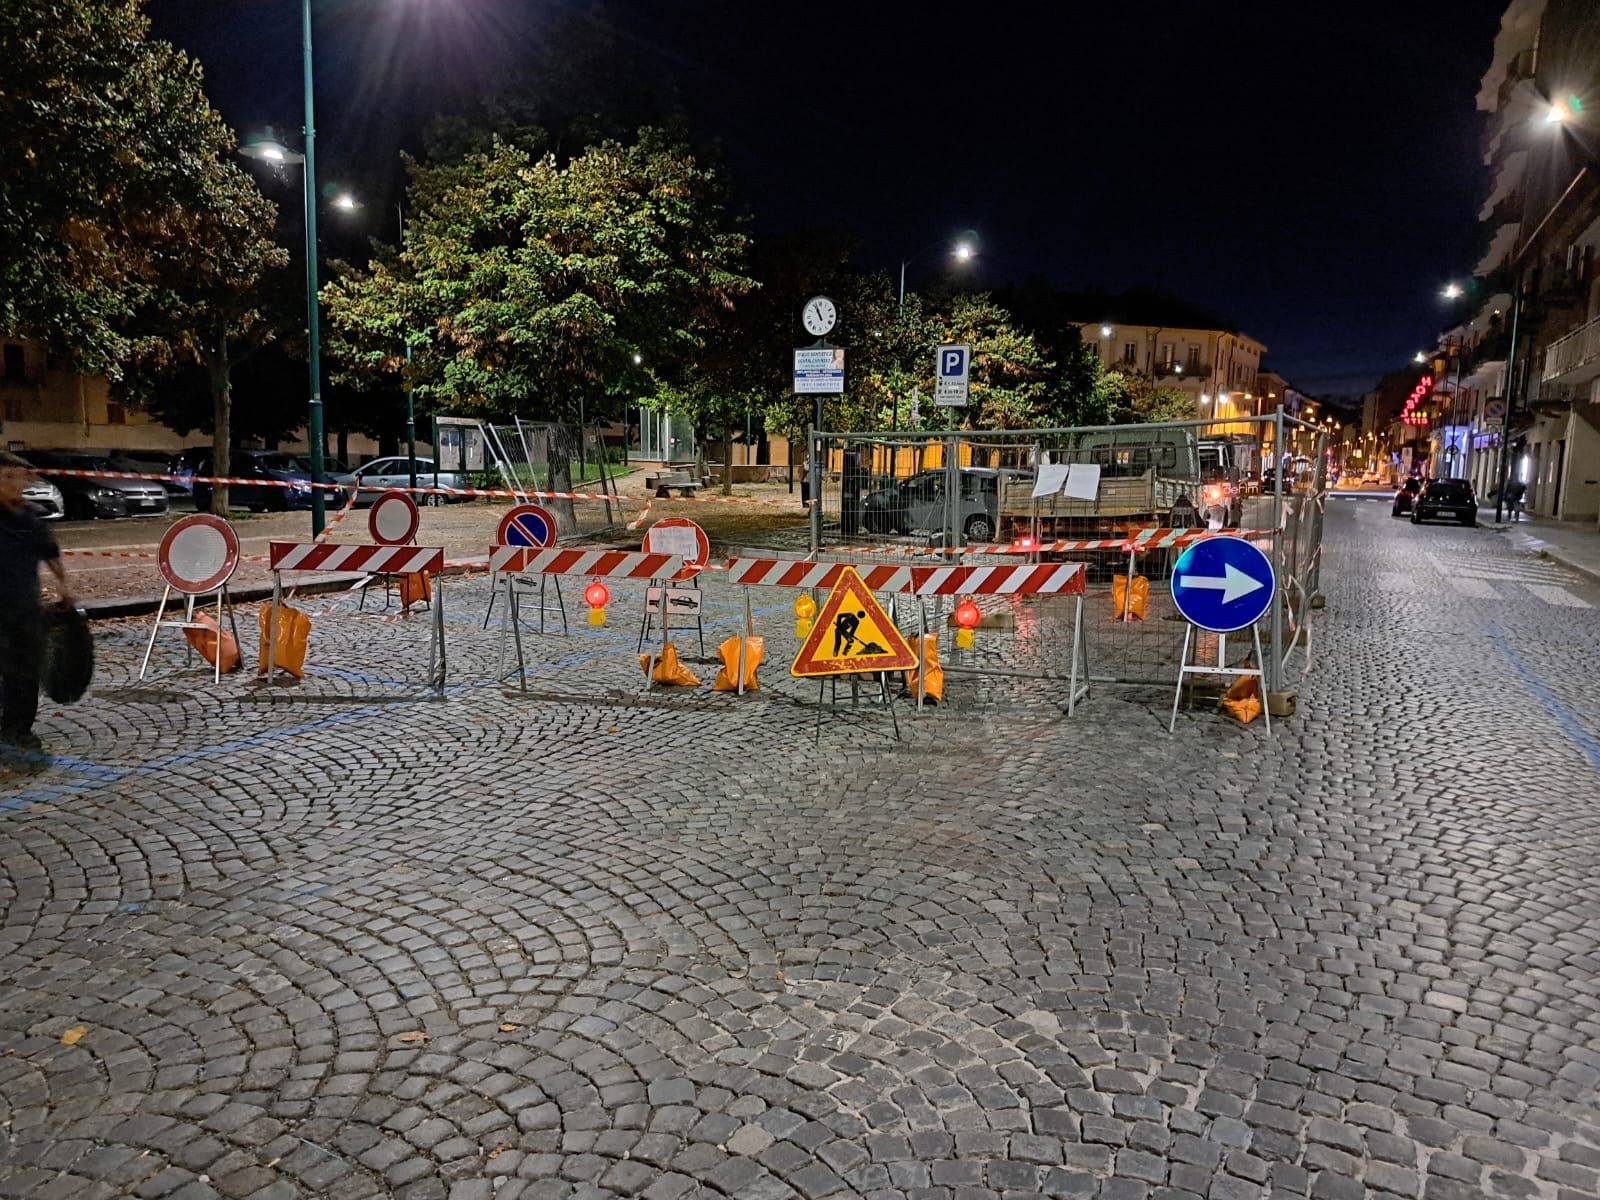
[548,456]
[1089,495]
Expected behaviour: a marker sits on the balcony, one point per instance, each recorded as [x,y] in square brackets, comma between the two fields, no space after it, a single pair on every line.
[1575,358]
[1182,369]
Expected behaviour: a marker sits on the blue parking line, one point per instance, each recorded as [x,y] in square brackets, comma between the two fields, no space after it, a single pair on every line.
[100,774]
[1564,715]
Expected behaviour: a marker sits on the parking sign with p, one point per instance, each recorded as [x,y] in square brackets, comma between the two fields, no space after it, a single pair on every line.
[952,367]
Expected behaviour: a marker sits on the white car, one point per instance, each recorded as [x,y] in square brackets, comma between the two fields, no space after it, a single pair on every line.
[45,496]
[372,479]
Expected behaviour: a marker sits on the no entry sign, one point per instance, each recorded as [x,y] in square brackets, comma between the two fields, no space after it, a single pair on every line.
[198,554]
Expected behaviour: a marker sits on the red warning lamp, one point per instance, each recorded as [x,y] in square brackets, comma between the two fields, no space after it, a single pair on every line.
[966,617]
[597,596]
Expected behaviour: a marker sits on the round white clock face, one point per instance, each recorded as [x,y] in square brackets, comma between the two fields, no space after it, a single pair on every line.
[819,315]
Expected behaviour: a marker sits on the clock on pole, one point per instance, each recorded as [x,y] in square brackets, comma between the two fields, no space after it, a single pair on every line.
[819,316]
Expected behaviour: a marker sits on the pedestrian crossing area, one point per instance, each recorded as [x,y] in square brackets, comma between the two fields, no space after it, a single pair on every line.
[1491,579]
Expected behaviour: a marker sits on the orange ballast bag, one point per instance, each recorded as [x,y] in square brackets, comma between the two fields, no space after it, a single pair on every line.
[206,640]
[294,632]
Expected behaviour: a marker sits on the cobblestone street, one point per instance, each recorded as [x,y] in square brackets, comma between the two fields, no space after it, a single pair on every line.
[331,939]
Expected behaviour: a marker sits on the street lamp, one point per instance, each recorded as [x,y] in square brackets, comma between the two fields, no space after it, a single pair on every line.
[964,250]
[1452,291]
[273,153]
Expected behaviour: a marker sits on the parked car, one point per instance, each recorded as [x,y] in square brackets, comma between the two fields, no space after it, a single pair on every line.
[917,503]
[85,498]
[372,479]
[284,481]
[1445,499]
[183,466]
[41,493]
[1405,495]
[150,462]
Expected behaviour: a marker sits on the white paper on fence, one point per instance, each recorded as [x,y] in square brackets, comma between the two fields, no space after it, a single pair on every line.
[677,540]
[1049,480]
[1083,481]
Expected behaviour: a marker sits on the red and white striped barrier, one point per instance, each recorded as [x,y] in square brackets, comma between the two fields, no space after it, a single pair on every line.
[609,564]
[1042,579]
[1143,539]
[374,560]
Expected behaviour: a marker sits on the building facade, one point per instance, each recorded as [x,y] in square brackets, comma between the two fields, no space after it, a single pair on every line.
[1541,219]
[1218,367]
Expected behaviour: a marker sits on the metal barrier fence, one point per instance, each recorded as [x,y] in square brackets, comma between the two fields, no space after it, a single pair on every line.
[1090,495]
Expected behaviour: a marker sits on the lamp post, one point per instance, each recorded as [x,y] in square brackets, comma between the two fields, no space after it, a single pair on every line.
[963,251]
[313,338]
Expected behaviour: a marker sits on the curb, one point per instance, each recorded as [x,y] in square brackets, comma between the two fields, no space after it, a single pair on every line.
[140,606]
[1552,551]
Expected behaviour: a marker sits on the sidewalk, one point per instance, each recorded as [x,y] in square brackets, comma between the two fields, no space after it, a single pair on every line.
[1574,544]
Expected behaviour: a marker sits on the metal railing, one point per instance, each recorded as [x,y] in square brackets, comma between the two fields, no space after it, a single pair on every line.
[1577,352]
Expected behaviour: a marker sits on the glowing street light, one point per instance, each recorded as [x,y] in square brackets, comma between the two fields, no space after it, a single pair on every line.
[1420,358]
[1452,291]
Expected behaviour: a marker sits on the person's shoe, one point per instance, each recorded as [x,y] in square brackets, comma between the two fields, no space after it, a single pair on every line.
[22,739]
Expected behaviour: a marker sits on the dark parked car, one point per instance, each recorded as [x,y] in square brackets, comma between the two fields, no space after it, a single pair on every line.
[85,498]
[285,481]
[918,503]
[1445,499]
[1405,495]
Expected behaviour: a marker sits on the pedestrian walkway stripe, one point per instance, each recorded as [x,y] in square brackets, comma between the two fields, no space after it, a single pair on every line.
[1551,594]
[1587,744]
[1476,588]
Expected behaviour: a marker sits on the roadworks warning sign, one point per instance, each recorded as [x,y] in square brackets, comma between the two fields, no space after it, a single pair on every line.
[852,633]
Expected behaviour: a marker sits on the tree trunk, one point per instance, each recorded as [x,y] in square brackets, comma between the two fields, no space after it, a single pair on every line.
[727,461]
[219,368]
[344,445]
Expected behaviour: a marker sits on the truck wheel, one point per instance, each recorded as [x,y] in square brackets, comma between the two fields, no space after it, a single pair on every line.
[978,529]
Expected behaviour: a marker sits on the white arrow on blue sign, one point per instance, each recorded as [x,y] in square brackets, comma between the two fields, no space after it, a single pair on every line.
[1223,584]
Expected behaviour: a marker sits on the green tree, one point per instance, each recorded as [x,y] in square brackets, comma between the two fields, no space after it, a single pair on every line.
[111,145]
[1009,373]
[1136,400]
[527,285]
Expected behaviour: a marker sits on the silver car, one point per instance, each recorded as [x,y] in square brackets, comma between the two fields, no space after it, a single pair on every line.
[372,479]
[42,494]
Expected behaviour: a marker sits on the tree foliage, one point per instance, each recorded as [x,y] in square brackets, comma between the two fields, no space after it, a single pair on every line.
[527,285]
[112,168]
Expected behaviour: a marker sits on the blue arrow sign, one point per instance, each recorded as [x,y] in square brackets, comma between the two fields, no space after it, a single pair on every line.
[1223,584]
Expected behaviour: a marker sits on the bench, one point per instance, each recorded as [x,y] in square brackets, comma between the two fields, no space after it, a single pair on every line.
[662,481]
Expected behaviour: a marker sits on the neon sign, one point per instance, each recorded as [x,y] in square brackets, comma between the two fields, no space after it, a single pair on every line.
[1421,392]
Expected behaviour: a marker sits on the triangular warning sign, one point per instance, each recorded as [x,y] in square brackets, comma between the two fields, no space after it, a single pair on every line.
[852,634]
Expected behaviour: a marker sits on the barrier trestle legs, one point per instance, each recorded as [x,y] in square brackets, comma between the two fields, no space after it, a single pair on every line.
[188,622]
[1185,668]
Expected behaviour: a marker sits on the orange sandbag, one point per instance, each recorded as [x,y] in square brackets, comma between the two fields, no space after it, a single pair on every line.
[205,641]
[415,588]
[294,631]
[1123,603]
[1243,700]
[669,669]
[934,688]
[727,677]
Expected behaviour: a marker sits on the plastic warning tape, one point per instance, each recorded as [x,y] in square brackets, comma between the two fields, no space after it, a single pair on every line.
[326,556]
[609,564]
[1021,580]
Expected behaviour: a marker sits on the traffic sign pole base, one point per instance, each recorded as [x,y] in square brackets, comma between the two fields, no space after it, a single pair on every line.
[1186,669]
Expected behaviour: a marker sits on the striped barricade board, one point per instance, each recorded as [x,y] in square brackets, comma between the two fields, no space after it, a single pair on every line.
[1041,579]
[607,564]
[338,556]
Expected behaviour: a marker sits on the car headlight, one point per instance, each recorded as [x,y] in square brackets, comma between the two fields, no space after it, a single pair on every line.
[105,493]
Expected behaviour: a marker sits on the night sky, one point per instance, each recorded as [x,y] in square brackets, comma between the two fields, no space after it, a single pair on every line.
[1309,171]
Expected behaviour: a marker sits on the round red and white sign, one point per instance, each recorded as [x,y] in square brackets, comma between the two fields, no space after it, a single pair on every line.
[680,536]
[394,519]
[198,554]
[528,525]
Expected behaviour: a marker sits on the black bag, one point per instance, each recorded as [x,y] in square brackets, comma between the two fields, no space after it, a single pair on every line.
[68,653]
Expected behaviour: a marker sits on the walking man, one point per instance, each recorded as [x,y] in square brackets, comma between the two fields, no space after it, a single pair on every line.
[1515,491]
[25,543]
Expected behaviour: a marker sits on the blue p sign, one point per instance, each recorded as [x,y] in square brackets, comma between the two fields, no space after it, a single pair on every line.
[953,361]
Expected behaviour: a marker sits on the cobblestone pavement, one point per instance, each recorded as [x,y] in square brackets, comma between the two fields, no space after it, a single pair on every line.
[330,939]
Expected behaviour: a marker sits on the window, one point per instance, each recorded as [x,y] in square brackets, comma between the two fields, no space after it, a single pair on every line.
[1166,354]
[13,408]
[1130,352]
[15,371]
[116,414]
[1194,358]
